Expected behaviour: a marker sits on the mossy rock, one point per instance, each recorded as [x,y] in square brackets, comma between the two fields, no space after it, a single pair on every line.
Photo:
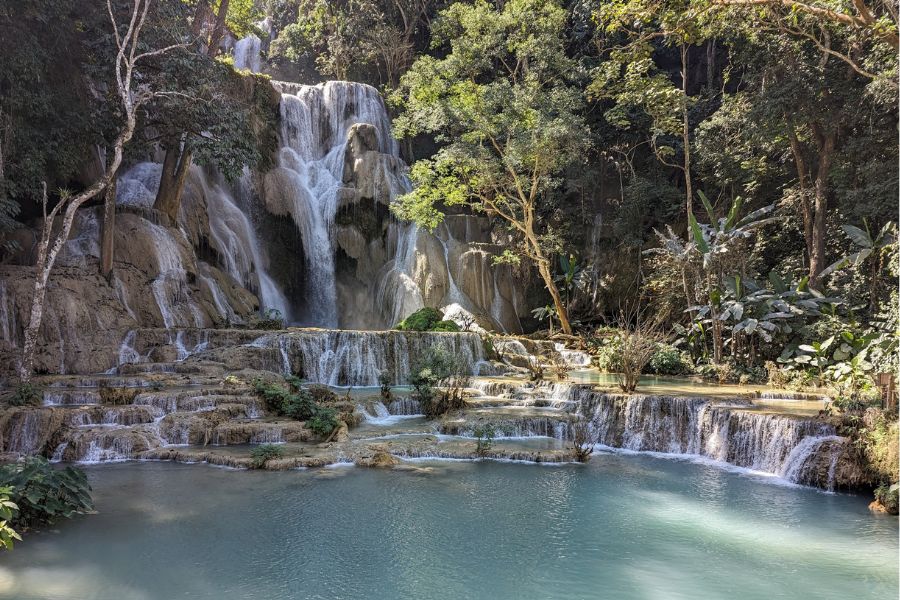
[426,319]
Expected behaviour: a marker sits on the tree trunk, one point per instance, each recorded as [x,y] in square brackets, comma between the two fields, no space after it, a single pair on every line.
[685,131]
[218,30]
[826,145]
[561,312]
[107,236]
[171,183]
[806,210]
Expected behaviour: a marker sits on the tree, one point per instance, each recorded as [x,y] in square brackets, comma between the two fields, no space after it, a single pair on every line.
[206,121]
[132,95]
[505,105]
[627,36]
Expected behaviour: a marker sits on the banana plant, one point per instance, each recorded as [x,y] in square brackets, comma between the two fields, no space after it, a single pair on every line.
[867,245]
[570,274]
[545,313]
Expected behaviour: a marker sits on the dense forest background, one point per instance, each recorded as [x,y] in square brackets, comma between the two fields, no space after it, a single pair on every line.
[726,169]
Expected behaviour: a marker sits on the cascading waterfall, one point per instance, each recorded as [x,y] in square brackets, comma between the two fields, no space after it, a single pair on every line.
[315,123]
[246,54]
[235,239]
[769,443]
[357,358]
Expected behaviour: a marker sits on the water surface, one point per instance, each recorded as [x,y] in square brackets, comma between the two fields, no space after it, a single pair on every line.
[623,527]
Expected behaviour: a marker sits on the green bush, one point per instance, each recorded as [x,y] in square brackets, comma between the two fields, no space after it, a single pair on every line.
[668,360]
[888,496]
[8,511]
[484,435]
[607,355]
[324,421]
[426,319]
[44,494]
[262,454]
[438,380]
[26,394]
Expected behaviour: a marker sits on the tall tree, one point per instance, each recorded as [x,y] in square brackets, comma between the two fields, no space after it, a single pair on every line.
[132,95]
[505,104]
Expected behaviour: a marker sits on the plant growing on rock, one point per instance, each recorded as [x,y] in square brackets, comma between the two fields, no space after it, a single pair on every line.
[263,453]
[637,343]
[43,494]
[439,380]
[324,421]
[271,320]
[426,319]
[384,380]
[581,435]
[535,369]
[484,435]
[26,394]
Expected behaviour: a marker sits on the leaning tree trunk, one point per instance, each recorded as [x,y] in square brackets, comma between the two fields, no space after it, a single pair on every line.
[176,166]
[107,234]
[561,312]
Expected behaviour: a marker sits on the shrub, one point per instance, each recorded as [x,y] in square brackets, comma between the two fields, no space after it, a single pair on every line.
[117,396]
[271,319]
[581,435]
[26,394]
[44,494]
[668,360]
[426,319]
[888,497]
[324,421]
[385,380]
[485,439]
[438,380]
[8,510]
[262,454]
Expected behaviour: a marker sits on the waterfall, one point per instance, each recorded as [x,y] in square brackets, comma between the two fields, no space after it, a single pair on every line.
[777,444]
[357,358]
[234,238]
[246,54]
[231,235]
[8,328]
[316,121]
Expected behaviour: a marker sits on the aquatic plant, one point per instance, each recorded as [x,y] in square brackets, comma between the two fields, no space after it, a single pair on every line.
[484,435]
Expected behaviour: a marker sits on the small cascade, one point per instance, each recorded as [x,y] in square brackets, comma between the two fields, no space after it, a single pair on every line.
[573,358]
[769,443]
[405,406]
[246,54]
[170,288]
[357,358]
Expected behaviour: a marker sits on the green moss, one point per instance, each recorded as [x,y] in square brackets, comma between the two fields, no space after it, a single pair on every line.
[426,319]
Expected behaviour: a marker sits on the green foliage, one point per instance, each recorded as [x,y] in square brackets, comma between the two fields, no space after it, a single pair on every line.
[385,379]
[668,360]
[44,494]
[324,421]
[504,103]
[26,394]
[438,380]
[263,453]
[426,319]
[8,510]
[484,435]
[300,402]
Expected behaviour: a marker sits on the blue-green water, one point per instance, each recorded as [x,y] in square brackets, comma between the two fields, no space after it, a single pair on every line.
[622,527]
